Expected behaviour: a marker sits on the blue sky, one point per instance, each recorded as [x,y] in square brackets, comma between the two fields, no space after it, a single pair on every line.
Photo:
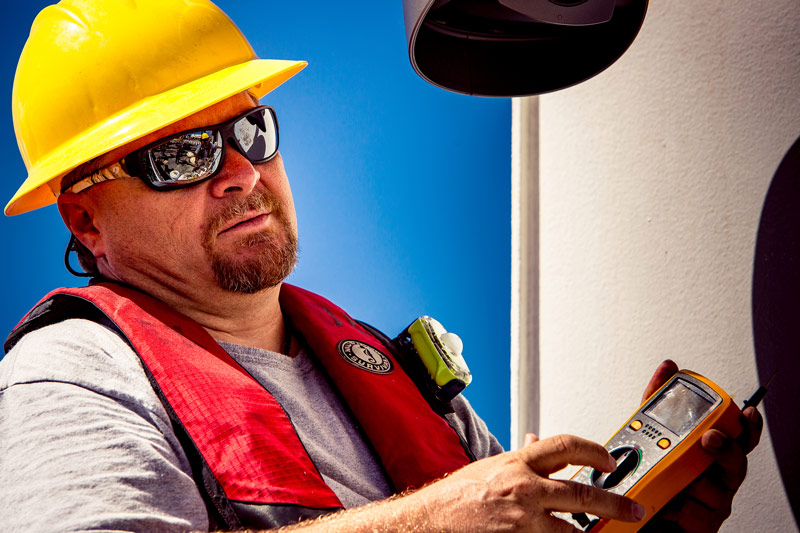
[402,189]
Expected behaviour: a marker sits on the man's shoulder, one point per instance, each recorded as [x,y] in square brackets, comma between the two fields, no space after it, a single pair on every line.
[84,432]
[473,428]
[79,352]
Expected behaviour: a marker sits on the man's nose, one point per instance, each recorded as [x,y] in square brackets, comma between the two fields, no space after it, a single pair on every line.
[238,175]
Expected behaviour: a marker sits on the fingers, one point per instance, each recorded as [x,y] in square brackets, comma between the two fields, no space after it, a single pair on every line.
[706,503]
[752,426]
[697,518]
[710,493]
[730,457]
[572,497]
[701,508]
[530,438]
[664,371]
[551,455]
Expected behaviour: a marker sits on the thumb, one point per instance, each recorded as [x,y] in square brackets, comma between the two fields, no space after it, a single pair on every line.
[664,371]
[530,438]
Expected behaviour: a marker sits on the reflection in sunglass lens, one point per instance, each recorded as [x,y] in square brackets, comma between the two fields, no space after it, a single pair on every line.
[246,133]
[191,156]
[255,139]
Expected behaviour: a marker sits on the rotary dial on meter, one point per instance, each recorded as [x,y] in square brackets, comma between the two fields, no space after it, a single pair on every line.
[628,460]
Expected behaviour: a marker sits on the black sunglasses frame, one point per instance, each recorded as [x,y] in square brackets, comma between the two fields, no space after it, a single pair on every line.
[137,163]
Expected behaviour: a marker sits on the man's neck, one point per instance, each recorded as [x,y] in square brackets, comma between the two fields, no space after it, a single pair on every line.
[247,319]
[250,320]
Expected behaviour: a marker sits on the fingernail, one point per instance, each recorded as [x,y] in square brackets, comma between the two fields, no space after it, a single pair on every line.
[638,511]
[714,440]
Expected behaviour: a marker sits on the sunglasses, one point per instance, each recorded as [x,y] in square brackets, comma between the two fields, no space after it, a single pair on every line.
[193,156]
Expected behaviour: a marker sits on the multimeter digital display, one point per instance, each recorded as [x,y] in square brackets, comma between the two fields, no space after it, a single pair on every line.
[658,450]
[680,407]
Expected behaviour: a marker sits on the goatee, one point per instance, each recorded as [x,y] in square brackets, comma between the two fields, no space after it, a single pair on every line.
[275,250]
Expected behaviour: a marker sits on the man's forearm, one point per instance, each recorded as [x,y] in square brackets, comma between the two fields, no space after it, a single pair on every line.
[398,513]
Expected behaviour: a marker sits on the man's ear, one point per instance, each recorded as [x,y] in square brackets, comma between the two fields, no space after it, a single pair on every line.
[79,216]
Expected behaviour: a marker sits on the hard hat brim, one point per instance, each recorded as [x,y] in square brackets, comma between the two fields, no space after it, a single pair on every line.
[259,76]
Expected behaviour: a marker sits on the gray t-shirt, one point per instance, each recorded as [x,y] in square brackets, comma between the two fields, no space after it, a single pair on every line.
[85,443]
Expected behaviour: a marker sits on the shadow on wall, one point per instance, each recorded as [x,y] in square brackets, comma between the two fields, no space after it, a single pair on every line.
[776,317]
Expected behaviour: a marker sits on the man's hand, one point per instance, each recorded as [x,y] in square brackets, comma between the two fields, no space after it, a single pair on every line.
[513,491]
[706,503]
[507,492]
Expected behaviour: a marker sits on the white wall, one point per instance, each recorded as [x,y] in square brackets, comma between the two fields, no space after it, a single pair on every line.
[652,178]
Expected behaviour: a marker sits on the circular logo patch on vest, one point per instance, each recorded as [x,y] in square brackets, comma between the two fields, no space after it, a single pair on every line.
[365,357]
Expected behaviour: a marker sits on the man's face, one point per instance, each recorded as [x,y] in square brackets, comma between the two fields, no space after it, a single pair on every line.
[236,231]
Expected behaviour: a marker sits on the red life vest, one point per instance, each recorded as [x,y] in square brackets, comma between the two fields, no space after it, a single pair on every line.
[247,458]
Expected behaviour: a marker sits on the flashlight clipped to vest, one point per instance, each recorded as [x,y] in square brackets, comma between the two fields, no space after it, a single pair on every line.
[439,351]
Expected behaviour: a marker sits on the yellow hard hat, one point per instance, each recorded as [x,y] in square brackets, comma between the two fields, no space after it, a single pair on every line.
[97,74]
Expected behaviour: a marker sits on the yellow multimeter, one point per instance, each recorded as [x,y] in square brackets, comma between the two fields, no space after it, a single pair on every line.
[658,450]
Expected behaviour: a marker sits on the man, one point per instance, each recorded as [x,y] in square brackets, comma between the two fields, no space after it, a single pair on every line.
[140,402]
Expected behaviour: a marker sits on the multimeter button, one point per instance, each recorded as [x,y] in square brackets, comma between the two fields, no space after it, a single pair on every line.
[664,443]
[636,425]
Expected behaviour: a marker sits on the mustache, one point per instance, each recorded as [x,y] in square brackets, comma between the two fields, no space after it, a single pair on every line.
[256,201]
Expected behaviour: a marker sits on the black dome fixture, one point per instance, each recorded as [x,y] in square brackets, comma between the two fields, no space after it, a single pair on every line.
[517,47]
